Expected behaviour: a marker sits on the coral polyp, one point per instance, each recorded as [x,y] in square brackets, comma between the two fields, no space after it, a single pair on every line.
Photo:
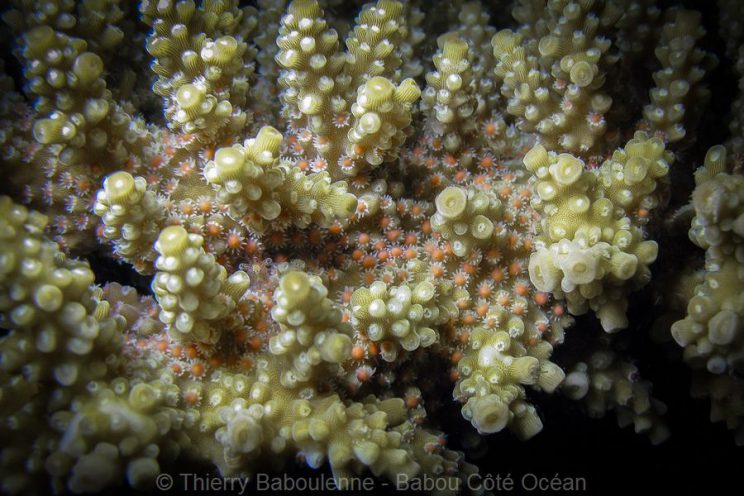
[350,228]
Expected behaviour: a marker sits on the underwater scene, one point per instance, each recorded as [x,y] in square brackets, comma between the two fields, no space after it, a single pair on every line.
[339,247]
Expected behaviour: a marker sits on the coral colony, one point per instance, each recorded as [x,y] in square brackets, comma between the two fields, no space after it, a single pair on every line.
[324,205]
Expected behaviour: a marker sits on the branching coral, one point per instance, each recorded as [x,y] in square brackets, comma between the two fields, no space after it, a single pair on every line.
[323,208]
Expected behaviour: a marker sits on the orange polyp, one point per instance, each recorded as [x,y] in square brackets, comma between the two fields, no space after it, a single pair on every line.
[482,310]
[515,268]
[255,343]
[362,374]
[233,241]
[412,401]
[493,254]
[357,353]
[437,255]
[468,319]
[521,289]
[198,369]
[83,184]
[541,298]
[503,300]
[191,351]
[482,181]
[456,357]
[240,335]
[497,275]
[315,237]
[191,397]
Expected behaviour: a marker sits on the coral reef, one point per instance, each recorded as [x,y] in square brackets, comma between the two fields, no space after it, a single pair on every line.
[323,207]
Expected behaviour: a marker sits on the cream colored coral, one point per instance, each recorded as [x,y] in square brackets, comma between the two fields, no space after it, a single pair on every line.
[131,215]
[678,84]
[466,218]
[308,53]
[591,250]
[606,382]
[192,288]
[202,64]
[57,320]
[405,314]
[554,77]
[257,187]
[450,98]
[382,113]
[246,178]
[712,333]
[311,328]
